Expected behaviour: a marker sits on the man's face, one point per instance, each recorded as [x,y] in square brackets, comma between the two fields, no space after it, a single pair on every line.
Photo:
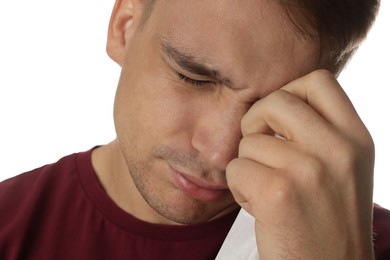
[189,76]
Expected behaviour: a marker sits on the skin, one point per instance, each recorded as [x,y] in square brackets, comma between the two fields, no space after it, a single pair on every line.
[272,133]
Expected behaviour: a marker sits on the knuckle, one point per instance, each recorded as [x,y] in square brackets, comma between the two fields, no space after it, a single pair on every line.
[319,78]
[309,169]
[321,74]
[283,190]
[245,142]
[248,141]
[284,99]
[313,171]
[349,158]
[345,156]
[244,123]
[247,121]
[232,167]
[234,176]
[367,144]
[276,96]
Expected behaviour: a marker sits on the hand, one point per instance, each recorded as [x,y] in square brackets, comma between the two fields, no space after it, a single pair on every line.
[304,171]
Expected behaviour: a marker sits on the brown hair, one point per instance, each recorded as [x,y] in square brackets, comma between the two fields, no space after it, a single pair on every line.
[340,25]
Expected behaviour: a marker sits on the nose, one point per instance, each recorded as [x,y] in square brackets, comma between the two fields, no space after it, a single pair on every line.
[217,135]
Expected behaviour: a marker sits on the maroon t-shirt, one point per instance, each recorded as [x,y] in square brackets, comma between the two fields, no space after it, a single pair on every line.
[60,211]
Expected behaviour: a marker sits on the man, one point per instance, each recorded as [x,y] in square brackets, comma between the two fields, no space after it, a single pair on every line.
[220,105]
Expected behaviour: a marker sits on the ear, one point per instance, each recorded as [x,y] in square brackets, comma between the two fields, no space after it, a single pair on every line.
[125,19]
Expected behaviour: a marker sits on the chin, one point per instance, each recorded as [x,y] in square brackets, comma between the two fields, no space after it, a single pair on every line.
[188,211]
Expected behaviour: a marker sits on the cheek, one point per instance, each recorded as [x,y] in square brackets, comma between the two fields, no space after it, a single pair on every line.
[150,111]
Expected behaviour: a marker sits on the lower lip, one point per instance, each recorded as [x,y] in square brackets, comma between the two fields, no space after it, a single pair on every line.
[195,191]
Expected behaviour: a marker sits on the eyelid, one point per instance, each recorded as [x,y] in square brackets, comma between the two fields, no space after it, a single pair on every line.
[187,80]
[192,81]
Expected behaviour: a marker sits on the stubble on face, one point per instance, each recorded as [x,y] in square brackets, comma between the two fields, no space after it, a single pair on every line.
[148,107]
[169,201]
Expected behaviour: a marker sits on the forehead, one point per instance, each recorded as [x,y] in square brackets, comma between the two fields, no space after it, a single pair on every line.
[252,41]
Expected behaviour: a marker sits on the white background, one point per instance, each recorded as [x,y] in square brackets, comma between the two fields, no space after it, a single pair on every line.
[57,84]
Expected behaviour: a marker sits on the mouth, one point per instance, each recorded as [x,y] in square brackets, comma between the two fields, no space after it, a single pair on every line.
[199,188]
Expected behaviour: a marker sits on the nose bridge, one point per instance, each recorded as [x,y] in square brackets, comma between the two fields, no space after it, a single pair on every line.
[217,135]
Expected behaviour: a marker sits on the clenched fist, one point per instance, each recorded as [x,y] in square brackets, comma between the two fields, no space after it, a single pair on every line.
[304,171]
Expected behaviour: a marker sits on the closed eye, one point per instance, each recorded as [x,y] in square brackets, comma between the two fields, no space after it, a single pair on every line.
[193,82]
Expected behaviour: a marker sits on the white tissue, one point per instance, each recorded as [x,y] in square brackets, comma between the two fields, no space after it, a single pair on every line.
[240,243]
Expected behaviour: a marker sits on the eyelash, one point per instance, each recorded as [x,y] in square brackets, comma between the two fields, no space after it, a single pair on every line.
[197,83]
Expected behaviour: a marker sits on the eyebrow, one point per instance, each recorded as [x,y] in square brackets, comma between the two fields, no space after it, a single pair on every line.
[191,64]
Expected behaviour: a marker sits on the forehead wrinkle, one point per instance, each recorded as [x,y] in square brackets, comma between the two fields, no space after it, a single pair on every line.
[193,64]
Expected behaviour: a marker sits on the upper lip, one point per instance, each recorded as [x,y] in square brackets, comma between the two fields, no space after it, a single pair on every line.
[201,181]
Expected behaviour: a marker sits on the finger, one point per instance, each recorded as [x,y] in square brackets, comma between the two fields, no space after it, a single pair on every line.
[259,189]
[247,181]
[270,151]
[324,94]
[287,115]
